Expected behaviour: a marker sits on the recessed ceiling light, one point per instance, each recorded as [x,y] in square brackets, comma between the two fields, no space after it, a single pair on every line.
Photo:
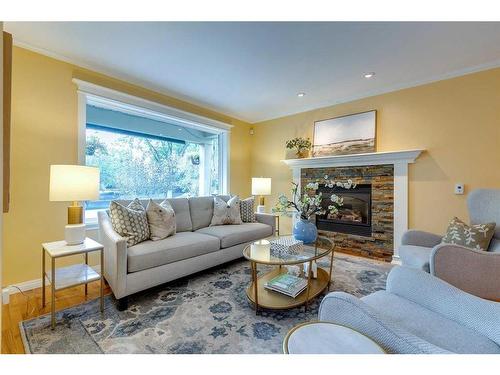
[301,94]
[369,75]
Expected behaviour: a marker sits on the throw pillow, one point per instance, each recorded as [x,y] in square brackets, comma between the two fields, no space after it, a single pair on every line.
[247,210]
[226,213]
[161,220]
[477,236]
[130,222]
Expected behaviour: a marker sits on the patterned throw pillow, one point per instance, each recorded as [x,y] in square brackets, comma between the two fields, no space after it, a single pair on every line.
[130,222]
[226,213]
[477,236]
[247,210]
[161,220]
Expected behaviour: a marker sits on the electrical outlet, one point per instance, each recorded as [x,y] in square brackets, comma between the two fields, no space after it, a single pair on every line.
[459,188]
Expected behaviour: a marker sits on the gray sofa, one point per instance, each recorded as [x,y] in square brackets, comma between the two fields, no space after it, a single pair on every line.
[474,271]
[195,247]
[418,314]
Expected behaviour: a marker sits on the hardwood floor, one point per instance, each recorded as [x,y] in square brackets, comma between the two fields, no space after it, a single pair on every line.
[17,311]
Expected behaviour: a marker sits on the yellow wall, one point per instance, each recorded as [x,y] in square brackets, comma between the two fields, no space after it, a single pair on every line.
[44,132]
[456,120]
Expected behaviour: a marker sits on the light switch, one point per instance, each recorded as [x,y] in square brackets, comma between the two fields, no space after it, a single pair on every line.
[459,188]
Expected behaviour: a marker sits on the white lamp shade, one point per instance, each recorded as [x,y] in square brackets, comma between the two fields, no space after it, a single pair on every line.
[261,186]
[73,183]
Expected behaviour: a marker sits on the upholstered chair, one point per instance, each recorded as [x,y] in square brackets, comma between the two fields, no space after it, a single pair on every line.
[418,314]
[474,271]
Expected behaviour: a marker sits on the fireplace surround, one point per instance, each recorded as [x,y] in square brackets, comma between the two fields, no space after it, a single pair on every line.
[396,212]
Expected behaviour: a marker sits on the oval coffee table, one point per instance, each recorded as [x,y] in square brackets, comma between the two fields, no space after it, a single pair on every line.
[328,338]
[259,252]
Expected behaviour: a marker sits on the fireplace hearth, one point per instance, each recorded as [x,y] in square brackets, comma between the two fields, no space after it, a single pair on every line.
[354,217]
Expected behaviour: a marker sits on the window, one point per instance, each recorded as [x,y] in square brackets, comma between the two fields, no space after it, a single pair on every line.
[145,154]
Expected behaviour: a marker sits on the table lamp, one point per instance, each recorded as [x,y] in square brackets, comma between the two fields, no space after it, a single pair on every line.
[261,186]
[74,183]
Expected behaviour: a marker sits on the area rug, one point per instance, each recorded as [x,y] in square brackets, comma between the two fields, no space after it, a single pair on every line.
[205,313]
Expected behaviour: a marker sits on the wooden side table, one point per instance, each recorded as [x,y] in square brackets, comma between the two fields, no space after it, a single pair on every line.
[67,277]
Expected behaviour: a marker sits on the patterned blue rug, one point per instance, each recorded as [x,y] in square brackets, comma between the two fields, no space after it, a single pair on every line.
[205,313]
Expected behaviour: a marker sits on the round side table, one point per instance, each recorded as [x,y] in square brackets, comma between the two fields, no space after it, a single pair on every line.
[328,338]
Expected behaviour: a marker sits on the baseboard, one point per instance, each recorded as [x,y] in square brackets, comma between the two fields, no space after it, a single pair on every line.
[24,286]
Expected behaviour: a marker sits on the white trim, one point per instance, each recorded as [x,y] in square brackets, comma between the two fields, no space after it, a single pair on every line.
[400,160]
[326,103]
[146,108]
[112,73]
[25,286]
[372,158]
[386,90]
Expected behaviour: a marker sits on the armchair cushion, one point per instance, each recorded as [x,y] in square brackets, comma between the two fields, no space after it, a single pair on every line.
[415,256]
[442,298]
[429,325]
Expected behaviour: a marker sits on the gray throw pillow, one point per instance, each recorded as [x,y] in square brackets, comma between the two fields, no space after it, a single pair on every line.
[226,213]
[247,210]
[161,220]
[130,222]
[477,236]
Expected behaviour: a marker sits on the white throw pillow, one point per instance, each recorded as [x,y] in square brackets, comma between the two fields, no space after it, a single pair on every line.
[161,220]
[130,222]
[226,213]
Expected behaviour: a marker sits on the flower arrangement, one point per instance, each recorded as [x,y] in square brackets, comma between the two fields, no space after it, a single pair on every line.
[300,145]
[308,203]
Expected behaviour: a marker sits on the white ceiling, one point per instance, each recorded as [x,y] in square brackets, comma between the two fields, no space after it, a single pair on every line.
[254,70]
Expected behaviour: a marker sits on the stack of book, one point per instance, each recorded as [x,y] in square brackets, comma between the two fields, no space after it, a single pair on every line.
[287,284]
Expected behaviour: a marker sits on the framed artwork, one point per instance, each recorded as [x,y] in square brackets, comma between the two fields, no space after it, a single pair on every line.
[351,134]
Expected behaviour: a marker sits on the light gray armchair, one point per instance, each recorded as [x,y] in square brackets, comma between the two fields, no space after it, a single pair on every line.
[476,272]
[418,314]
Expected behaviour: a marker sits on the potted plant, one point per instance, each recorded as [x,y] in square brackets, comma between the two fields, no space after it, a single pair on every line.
[307,204]
[300,145]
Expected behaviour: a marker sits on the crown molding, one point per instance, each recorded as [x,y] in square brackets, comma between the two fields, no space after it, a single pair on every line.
[327,103]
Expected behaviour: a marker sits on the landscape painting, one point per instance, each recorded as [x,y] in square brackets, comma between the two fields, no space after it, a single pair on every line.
[352,134]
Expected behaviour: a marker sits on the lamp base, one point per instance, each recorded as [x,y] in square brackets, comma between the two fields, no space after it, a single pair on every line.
[74,234]
[261,209]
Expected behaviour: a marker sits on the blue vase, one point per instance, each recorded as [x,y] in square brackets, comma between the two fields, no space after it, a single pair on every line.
[305,231]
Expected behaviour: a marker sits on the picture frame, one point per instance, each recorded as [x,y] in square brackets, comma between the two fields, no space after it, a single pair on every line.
[345,135]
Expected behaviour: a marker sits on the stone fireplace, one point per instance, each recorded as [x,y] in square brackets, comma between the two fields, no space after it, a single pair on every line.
[365,224]
[375,214]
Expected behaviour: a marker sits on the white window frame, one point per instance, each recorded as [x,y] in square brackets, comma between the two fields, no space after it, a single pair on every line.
[90,93]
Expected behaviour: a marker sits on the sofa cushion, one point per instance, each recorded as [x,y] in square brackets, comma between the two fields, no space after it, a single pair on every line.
[428,325]
[161,220]
[226,212]
[202,210]
[183,245]
[231,235]
[182,215]
[130,222]
[415,256]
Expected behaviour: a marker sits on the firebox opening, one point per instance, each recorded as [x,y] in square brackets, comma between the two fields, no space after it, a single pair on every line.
[354,216]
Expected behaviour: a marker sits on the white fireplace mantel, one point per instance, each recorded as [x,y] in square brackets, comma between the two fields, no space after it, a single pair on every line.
[400,160]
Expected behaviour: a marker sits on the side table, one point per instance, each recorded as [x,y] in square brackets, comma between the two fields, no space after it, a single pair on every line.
[67,277]
[328,338]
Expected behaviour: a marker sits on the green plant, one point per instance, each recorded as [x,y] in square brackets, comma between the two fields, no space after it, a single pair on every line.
[299,144]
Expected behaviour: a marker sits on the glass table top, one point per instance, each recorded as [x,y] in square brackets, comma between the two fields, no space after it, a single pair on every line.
[260,252]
